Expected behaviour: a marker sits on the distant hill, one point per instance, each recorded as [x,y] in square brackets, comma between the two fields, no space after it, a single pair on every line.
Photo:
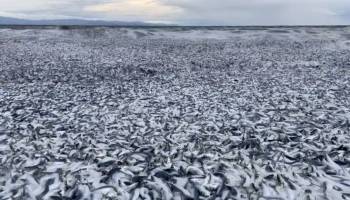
[70,22]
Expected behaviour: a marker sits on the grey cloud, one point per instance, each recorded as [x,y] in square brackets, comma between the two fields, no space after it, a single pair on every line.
[212,12]
[260,12]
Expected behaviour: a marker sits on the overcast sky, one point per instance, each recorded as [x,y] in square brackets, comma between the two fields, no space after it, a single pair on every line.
[187,12]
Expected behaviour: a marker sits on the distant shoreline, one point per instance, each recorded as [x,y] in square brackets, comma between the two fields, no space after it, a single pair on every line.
[252,27]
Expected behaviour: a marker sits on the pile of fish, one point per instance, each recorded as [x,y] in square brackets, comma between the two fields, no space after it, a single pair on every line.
[262,116]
